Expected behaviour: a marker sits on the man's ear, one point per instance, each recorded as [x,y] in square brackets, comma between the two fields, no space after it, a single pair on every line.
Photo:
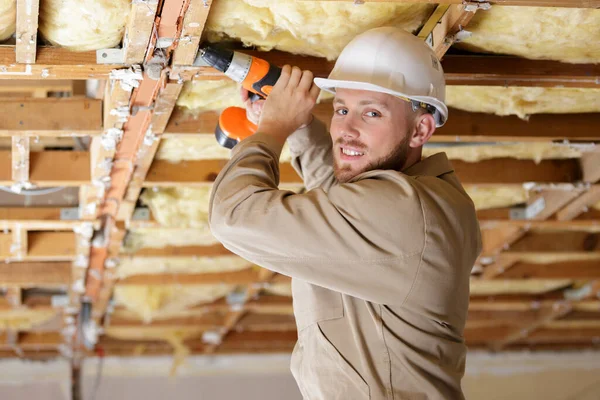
[423,129]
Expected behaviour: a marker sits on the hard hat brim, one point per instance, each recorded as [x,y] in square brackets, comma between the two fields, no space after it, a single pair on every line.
[329,85]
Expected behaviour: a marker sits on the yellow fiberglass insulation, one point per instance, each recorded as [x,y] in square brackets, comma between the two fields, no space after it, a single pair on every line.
[522,101]
[497,196]
[200,96]
[199,148]
[174,336]
[536,151]
[564,34]
[8,18]
[279,289]
[21,320]
[161,301]
[314,28]
[83,25]
[182,207]
[129,266]
[185,207]
[140,238]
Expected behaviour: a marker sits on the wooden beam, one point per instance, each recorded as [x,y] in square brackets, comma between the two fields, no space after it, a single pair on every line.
[13,294]
[577,269]
[20,159]
[54,63]
[442,26]
[193,25]
[580,204]
[50,168]
[162,111]
[138,30]
[36,274]
[41,246]
[471,70]
[37,219]
[116,110]
[35,88]
[247,276]
[27,26]
[462,126]
[184,251]
[20,243]
[51,246]
[201,172]
[558,242]
[483,70]
[69,116]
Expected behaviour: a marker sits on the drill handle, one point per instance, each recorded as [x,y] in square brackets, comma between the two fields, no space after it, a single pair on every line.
[264,85]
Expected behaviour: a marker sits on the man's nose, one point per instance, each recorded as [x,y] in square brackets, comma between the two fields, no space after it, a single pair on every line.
[349,127]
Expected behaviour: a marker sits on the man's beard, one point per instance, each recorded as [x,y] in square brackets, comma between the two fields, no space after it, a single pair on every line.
[395,160]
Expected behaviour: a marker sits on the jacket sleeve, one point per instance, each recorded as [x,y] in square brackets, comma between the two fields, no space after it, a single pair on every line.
[348,239]
[311,151]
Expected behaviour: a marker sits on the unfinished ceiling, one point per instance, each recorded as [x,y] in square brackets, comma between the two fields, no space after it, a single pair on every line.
[522,135]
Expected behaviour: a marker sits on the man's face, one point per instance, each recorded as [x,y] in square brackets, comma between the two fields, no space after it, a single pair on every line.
[369,130]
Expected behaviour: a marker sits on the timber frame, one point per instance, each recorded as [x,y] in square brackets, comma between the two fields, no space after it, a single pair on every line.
[135,108]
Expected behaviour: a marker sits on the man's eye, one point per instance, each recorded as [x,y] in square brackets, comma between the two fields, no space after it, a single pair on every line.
[341,111]
[373,114]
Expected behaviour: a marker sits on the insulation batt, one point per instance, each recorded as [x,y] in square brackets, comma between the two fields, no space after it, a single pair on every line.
[537,33]
[319,29]
[8,18]
[24,319]
[522,101]
[140,238]
[82,25]
[161,301]
[130,266]
[496,197]
[200,148]
[175,337]
[201,96]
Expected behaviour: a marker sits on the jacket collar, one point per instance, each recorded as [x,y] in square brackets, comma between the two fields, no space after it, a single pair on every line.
[435,165]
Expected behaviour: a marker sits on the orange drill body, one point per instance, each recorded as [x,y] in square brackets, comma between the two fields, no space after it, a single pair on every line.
[256,75]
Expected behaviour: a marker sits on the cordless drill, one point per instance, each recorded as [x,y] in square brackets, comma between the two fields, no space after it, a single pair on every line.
[255,74]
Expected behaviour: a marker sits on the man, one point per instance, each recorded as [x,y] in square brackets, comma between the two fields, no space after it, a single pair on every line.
[381,246]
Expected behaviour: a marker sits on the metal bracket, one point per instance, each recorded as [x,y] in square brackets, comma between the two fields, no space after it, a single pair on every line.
[110,56]
[69,214]
[141,214]
[530,211]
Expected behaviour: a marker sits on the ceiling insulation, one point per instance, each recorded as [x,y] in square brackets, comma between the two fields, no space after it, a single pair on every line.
[497,196]
[175,337]
[129,266]
[201,96]
[536,151]
[303,27]
[200,148]
[182,207]
[522,101]
[8,17]
[151,302]
[82,25]
[537,33]
[139,238]
[24,319]
[185,207]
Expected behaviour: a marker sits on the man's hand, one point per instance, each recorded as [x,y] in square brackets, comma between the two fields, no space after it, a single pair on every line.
[289,105]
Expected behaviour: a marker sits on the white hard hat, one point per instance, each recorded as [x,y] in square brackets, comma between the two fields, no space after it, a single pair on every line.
[391,60]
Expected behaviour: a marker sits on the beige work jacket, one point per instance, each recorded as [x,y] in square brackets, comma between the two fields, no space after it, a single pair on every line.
[380,266]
